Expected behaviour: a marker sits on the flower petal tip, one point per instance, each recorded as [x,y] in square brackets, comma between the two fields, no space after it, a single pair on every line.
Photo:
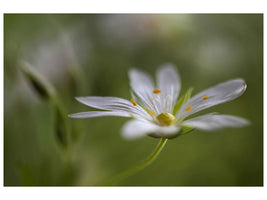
[79,98]
[71,115]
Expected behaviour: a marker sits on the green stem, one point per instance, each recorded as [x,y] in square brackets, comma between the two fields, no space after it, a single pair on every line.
[140,166]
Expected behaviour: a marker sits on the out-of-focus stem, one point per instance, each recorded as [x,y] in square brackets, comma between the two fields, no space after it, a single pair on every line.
[138,167]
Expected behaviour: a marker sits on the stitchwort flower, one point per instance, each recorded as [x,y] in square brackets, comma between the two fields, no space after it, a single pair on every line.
[157,112]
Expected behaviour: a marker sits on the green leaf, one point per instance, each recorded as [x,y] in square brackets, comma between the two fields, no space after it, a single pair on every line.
[183,99]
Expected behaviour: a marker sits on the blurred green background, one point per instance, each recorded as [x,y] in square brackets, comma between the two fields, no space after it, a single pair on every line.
[90,55]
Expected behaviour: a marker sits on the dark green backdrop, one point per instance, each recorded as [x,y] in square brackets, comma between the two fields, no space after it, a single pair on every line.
[82,55]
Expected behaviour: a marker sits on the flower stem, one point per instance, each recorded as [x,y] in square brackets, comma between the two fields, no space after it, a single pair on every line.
[138,167]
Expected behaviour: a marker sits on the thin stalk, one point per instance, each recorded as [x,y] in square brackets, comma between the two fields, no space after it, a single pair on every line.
[138,167]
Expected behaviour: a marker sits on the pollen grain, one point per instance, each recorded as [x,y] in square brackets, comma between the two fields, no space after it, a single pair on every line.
[188,108]
[151,112]
[205,97]
[152,99]
[157,91]
[134,103]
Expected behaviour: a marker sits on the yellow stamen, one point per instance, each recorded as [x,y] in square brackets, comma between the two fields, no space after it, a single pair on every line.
[134,103]
[151,112]
[157,91]
[205,97]
[188,108]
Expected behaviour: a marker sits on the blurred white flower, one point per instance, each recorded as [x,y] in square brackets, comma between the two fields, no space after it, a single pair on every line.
[136,31]
[58,54]
[157,112]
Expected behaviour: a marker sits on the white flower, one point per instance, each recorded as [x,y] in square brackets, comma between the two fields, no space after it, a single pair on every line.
[157,112]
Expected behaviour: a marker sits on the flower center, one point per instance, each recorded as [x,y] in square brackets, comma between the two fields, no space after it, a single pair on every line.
[166,119]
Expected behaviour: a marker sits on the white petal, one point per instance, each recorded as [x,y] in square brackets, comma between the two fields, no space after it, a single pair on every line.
[114,104]
[92,114]
[213,122]
[142,85]
[218,94]
[168,81]
[135,129]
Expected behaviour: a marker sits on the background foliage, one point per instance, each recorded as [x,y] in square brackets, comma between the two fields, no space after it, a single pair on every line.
[82,55]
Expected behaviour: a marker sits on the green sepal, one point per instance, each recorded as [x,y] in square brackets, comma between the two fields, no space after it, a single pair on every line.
[132,117]
[186,129]
[41,85]
[183,99]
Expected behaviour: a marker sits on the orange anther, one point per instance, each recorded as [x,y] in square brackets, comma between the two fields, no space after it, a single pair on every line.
[205,97]
[134,103]
[188,108]
[157,91]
